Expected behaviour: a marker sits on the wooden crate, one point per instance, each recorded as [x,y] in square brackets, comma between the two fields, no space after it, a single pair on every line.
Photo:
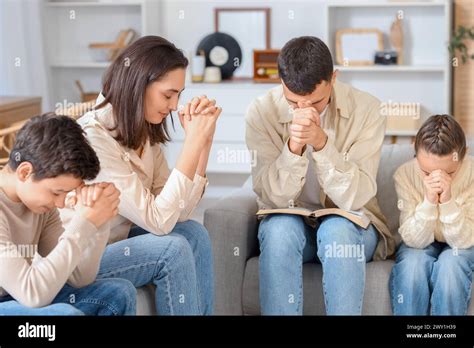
[265,66]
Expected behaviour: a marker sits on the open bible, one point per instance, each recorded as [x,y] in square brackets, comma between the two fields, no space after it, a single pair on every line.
[357,217]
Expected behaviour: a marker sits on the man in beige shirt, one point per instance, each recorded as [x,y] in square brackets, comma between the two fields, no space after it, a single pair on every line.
[37,255]
[318,143]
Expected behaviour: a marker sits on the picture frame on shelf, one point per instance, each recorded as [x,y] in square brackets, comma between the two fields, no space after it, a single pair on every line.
[357,46]
[252,33]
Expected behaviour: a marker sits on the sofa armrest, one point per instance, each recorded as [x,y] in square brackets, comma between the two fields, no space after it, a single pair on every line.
[232,227]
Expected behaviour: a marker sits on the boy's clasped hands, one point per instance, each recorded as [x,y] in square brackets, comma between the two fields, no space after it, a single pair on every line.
[98,202]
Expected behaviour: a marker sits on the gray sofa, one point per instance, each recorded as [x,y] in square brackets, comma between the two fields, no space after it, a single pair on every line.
[233,230]
[232,226]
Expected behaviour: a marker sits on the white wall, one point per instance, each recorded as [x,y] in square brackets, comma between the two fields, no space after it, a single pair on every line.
[23,69]
[288,19]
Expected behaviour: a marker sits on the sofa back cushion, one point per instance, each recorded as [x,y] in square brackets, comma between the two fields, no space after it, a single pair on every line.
[393,156]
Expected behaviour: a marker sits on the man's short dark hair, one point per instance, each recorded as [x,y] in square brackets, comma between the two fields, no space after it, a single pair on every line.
[303,63]
[54,145]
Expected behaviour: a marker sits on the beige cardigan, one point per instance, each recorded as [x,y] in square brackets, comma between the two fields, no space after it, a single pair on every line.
[346,167]
[152,197]
[421,222]
[38,256]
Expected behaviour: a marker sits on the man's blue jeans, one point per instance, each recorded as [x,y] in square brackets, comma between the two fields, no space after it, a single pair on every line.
[343,248]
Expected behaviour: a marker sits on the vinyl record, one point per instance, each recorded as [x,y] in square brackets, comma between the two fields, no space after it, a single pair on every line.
[223,51]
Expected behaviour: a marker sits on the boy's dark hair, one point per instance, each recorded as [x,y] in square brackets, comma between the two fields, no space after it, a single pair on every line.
[441,135]
[303,63]
[54,145]
[143,62]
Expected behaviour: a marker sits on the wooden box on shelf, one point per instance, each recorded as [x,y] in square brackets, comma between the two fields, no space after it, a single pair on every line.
[402,117]
[403,124]
[265,66]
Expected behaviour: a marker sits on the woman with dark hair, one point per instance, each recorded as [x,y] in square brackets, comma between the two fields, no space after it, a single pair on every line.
[152,240]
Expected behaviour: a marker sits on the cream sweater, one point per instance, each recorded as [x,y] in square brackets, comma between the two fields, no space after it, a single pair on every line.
[421,222]
[38,257]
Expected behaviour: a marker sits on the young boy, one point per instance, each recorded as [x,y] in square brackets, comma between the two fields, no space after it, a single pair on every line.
[50,158]
[436,198]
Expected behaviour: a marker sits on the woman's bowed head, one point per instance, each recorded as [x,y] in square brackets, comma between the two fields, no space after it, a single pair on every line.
[146,90]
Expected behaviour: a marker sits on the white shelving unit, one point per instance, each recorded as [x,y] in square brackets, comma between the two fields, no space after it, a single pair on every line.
[425,78]
[391,68]
[69,28]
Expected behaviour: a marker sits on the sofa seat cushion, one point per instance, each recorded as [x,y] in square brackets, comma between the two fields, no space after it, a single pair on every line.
[376,297]
[146,300]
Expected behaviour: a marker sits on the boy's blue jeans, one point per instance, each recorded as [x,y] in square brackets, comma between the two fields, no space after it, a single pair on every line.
[103,297]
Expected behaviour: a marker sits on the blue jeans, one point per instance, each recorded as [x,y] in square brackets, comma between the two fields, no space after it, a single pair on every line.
[343,248]
[103,297]
[437,275]
[179,264]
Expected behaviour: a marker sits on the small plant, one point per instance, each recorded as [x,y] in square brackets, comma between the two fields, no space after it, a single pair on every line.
[457,42]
